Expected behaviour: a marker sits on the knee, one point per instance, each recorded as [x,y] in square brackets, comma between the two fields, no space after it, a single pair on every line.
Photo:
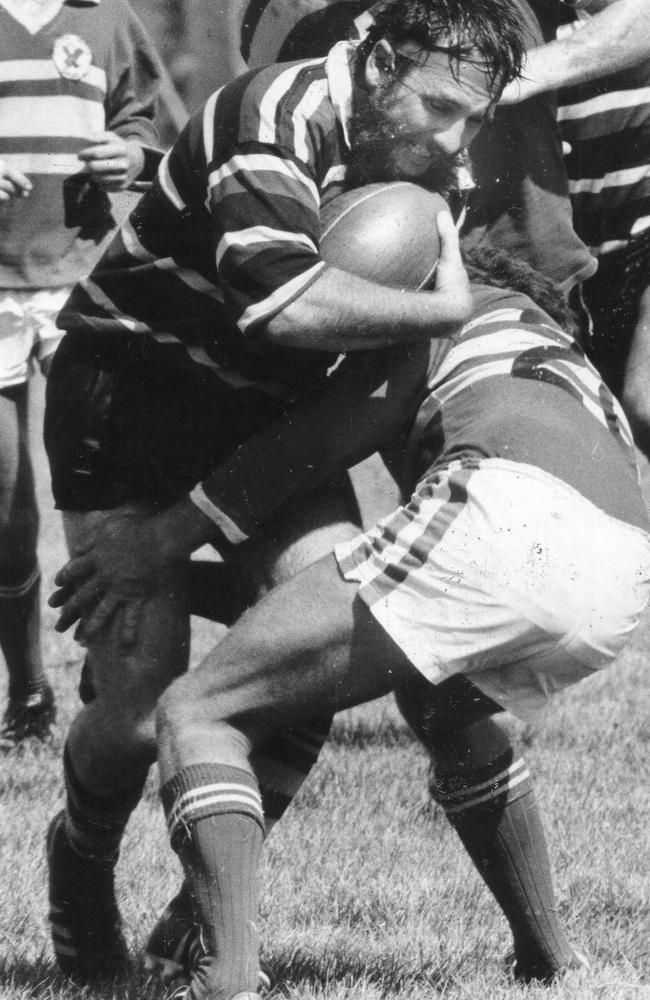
[179,709]
[190,729]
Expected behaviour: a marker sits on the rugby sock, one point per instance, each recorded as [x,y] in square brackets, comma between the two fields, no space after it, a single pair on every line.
[495,814]
[216,825]
[95,824]
[20,623]
[281,765]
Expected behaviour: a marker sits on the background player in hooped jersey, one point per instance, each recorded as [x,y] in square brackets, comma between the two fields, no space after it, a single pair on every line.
[520,566]
[78,86]
[210,314]
[606,124]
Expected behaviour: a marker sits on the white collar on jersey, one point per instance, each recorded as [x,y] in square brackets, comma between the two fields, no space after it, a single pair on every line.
[35,14]
[339,67]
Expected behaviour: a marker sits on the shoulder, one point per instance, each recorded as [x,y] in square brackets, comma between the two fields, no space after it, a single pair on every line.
[279,102]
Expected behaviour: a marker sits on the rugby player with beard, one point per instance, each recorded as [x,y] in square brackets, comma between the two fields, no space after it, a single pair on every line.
[209,316]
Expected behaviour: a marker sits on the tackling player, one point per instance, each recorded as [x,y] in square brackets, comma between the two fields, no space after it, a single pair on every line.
[520,565]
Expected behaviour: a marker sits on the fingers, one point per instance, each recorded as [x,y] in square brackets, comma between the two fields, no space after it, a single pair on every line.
[100,617]
[449,242]
[76,605]
[13,183]
[60,596]
[75,571]
[452,283]
[107,161]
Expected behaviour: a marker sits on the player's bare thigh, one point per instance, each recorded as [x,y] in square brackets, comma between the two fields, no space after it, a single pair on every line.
[309,646]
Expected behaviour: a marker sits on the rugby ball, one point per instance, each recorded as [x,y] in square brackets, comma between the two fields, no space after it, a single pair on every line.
[384,232]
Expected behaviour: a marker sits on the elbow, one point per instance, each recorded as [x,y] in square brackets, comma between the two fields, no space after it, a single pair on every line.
[293,326]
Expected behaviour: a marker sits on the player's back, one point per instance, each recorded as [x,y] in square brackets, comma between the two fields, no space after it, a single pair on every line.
[515,386]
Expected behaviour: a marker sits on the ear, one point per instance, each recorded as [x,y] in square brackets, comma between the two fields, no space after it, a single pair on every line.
[380,65]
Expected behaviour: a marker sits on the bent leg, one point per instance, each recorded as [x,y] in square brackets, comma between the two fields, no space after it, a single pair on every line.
[488,796]
[263,677]
[304,531]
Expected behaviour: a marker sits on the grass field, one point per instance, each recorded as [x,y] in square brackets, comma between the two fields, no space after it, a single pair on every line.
[367,893]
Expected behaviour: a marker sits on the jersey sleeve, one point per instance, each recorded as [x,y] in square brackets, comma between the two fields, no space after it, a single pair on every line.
[266,230]
[134,79]
[364,405]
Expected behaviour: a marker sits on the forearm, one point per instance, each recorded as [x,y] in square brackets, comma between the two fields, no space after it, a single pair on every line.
[613,39]
[342,312]
[364,405]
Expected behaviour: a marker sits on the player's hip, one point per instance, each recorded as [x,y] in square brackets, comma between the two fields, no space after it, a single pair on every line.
[128,421]
[498,566]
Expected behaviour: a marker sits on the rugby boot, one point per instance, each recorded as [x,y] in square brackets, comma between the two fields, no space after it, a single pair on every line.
[175,947]
[540,972]
[84,919]
[29,715]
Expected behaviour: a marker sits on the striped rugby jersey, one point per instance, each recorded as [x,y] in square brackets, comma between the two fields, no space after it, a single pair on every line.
[607,124]
[91,68]
[521,199]
[515,386]
[229,234]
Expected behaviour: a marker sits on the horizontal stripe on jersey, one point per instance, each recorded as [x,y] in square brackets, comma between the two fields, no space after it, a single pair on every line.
[515,386]
[607,125]
[47,117]
[229,234]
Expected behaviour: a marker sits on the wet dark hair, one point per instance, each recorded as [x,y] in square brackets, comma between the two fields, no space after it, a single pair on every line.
[485,32]
[490,266]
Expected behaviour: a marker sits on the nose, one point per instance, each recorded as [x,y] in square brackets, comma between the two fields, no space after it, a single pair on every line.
[452,139]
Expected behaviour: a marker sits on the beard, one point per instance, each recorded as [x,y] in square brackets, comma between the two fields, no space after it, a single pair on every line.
[374,140]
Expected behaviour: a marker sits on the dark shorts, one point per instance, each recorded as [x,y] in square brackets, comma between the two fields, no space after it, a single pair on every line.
[128,419]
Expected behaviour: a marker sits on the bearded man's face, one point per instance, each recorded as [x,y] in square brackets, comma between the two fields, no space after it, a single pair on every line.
[413,124]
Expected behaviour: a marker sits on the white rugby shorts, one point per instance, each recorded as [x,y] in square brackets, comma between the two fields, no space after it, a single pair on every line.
[28,330]
[499,571]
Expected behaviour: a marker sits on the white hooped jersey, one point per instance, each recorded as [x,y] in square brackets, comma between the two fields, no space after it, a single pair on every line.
[514,385]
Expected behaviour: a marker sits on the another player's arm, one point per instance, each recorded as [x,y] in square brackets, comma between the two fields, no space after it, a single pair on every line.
[614,39]
[364,404]
[128,149]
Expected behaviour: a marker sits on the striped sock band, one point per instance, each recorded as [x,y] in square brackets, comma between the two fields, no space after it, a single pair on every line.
[495,814]
[501,784]
[201,790]
[18,584]
[216,825]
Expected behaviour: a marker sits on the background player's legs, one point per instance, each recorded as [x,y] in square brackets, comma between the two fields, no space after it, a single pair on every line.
[30,710]
[309,642]
[486,791]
